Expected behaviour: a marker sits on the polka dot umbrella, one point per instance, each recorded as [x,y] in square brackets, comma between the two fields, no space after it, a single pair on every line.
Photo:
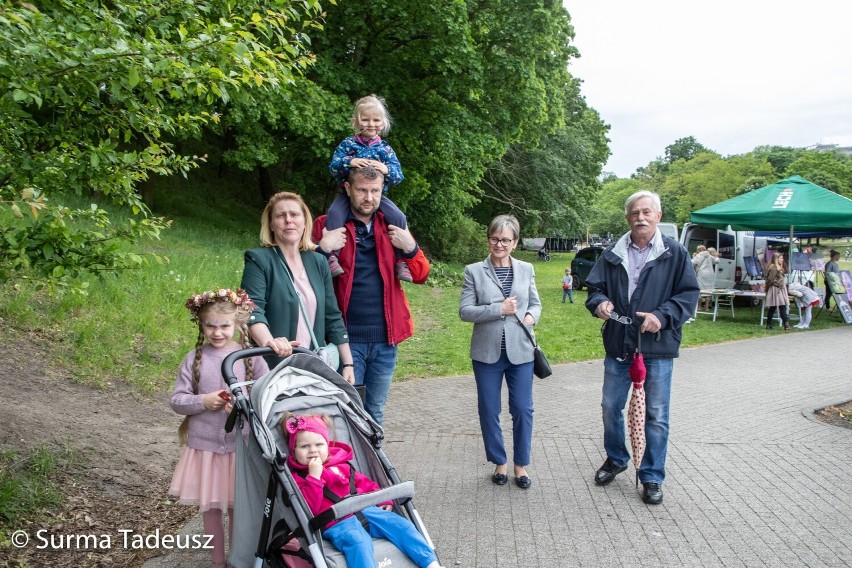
[636,410]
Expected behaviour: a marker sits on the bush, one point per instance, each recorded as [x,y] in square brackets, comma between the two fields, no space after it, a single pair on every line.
[464,242]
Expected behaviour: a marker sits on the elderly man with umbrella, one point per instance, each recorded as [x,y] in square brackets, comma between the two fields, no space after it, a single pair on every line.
[644,288]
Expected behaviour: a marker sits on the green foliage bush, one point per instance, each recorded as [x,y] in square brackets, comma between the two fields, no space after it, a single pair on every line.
[463,241]
[26,484]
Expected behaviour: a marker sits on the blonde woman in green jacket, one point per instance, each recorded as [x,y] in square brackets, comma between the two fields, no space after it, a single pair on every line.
[278,273]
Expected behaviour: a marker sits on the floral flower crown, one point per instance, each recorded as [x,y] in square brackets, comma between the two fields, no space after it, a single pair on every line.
[237,297]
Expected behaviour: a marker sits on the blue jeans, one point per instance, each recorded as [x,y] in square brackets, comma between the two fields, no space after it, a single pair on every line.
[570,293]
[374,365]
[350,538]
[489,387]
[616,387]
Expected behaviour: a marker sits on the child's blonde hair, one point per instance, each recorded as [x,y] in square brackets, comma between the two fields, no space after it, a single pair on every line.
[241,318]
[372,101]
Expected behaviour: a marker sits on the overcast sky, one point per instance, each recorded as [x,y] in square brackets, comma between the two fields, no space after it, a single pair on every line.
[733,74]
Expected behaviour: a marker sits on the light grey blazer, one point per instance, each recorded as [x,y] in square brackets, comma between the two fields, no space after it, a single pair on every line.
[480,303]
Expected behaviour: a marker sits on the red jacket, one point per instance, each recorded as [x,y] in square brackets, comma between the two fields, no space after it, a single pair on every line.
[397,313]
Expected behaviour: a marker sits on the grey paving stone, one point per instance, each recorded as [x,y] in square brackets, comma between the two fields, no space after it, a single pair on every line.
[751,480]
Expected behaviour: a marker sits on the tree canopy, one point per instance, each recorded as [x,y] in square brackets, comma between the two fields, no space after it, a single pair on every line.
[699,177]
[102,99]
[473,87]
[92,97]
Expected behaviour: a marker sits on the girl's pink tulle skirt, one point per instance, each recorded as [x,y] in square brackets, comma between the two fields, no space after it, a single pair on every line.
[205,479]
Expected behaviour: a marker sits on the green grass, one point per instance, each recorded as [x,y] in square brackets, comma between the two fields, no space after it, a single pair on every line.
[27,485]
[567,332]
[135,328]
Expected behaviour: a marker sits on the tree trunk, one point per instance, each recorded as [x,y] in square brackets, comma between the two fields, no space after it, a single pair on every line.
[146,190]
[267,188]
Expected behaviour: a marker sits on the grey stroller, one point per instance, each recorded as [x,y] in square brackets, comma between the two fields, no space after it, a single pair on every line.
[273,525]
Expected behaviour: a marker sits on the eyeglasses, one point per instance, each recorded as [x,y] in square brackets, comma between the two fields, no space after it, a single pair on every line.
[505,242]
[620,319]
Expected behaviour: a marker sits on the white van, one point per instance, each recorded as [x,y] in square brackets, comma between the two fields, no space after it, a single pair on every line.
[733,246]
[668,230]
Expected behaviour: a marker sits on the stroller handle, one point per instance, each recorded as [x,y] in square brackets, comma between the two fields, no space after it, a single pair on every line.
[230,360]
[241,406]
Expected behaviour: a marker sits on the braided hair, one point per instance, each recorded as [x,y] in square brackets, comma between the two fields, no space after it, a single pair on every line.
[241,318]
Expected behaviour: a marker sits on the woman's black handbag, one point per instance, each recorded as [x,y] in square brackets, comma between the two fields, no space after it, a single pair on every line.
[541,367]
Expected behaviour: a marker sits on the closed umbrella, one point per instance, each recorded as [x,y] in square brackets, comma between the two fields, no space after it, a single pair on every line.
[636,410]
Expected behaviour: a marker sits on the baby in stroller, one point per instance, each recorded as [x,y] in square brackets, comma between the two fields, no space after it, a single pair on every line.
[324,475]
[283,529]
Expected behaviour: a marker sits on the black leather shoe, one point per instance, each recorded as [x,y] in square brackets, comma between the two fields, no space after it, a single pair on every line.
[523,482]
[607,472]
[652,493]
[500,479]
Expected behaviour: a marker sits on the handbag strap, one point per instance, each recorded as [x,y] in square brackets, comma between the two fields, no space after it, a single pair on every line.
[302,308]
[535,345]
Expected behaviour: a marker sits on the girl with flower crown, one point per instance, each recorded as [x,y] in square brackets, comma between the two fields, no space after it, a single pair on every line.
[319,464]
[204,475]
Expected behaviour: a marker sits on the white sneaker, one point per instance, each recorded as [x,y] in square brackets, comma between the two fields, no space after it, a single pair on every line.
[690,320]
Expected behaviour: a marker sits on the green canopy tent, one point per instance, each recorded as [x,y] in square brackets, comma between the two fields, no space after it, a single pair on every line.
[791,204]
[787,205]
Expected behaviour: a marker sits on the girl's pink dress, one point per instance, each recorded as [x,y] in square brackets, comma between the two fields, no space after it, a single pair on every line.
[205,479]
[205,473]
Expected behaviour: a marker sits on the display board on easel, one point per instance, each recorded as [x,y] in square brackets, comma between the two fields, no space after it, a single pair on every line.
[834,282]
[843,306]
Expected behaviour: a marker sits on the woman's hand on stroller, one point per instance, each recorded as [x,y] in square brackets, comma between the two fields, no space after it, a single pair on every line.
[281,346]
[348,373]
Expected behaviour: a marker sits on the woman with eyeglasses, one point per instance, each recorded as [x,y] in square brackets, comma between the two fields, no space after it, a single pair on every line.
[498,297]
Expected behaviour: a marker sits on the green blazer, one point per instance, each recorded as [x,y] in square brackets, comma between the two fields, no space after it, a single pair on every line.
[277,304]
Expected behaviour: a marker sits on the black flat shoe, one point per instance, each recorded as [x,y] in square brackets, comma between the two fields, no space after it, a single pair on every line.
[652,493]
[607,472]
[500,479]
[523,482]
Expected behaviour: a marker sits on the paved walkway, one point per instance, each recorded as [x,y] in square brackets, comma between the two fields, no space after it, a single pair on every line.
[752,479]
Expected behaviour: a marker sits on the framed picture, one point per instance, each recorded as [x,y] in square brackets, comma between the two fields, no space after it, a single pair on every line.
[800,261]
[834,283]
[752,267]
[817,261]
[846,278]
[845,310]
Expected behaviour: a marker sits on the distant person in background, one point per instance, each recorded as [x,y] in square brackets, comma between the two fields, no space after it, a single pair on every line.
[704,263]
[806,299]
[831,266]
[568,286]
[776,290]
